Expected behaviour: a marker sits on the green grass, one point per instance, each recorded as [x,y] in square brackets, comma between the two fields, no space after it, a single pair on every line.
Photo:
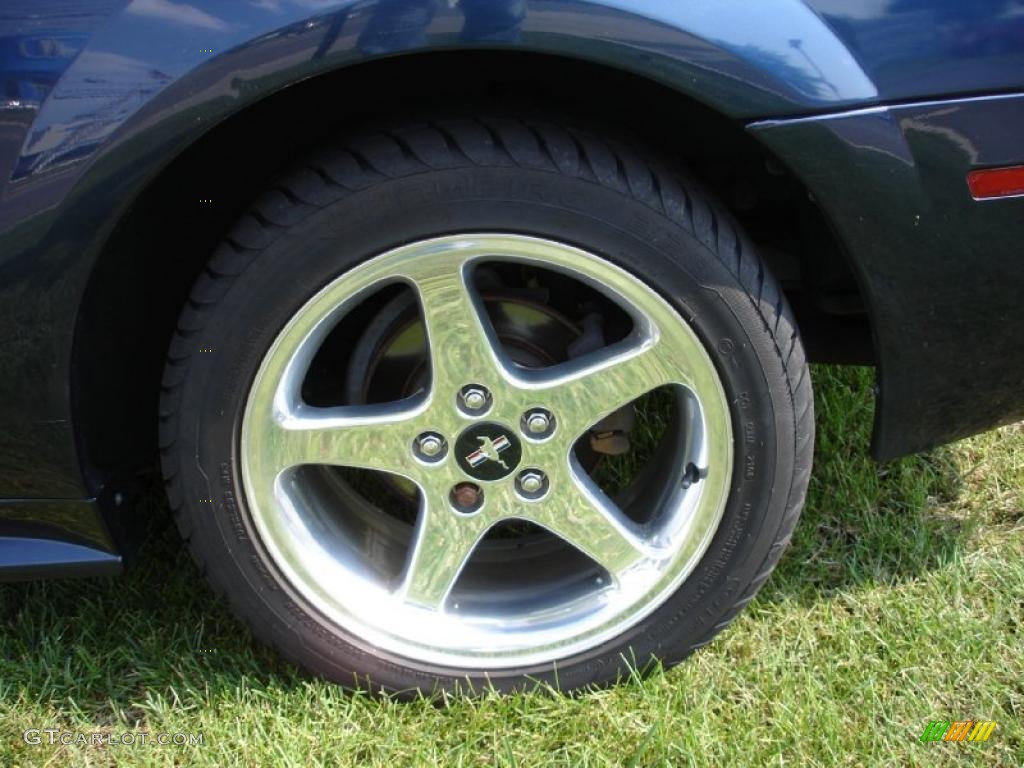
[900,601]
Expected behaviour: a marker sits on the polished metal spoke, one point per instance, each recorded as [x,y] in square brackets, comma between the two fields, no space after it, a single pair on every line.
[584,393]
[442,543]
[578,512]
[462,344]
[368,437]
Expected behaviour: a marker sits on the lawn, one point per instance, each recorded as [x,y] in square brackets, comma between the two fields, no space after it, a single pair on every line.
[901,601]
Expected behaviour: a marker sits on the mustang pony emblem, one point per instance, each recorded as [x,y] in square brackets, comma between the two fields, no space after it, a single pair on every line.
[489,449]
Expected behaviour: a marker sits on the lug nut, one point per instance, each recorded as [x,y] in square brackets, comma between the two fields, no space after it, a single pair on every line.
[538,423]
[431,446]
[532,483]
[467,497]
[475,399]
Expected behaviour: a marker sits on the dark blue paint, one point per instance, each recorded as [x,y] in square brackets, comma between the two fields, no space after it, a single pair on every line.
[943,273]
[98,95]
[55,538]
[26,557]
[786,60]
[779,59]
[915,48]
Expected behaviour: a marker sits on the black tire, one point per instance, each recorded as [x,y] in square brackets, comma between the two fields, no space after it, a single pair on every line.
[423,178]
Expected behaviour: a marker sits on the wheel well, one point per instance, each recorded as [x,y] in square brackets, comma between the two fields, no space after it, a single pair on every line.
[142,278]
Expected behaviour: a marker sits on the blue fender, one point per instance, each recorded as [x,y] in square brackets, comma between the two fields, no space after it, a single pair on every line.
[97,83]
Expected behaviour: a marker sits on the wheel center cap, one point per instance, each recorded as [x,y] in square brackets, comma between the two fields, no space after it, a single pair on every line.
[488,451]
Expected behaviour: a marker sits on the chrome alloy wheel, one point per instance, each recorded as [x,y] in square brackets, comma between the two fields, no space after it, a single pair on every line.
[508,432]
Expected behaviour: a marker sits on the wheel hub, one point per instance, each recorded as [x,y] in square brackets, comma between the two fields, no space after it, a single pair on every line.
[488,451]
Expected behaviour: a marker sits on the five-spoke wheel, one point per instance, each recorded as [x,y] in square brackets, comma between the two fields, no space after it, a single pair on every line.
[487,441]
[485,402]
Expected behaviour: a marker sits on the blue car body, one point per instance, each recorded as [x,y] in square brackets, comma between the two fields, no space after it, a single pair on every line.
[877,109]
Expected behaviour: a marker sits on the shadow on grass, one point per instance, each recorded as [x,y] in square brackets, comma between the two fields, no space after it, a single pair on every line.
[105,648]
